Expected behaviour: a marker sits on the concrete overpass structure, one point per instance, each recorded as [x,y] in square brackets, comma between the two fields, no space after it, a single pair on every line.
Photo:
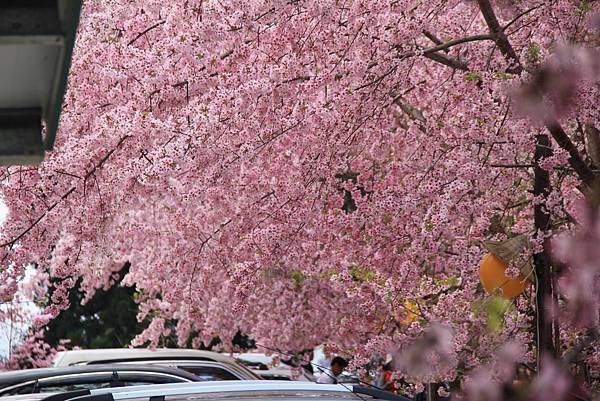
[36,43]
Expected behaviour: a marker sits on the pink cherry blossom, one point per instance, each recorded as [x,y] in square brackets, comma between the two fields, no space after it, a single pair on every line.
[311,172]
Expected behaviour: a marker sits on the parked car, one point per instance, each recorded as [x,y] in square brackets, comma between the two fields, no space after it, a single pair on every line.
[243,390]
[257,361]
[272,368]
[206,365]
[88,377]
[285,373]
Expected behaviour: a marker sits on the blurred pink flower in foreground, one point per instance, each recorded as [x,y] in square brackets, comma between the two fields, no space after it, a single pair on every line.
[431,355]
[580,283]
[553,383]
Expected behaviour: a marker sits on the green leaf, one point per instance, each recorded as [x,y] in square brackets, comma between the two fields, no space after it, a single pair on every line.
[450,281]
[362,274]
[502,75]
[496,308]
[534,51]
[472,76]
[584,6]
[298,278]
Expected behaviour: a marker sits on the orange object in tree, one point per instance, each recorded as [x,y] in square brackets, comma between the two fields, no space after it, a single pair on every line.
[492,275]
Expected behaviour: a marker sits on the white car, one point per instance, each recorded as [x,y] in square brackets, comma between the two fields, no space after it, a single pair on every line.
[270,367]
[250,390]
[258,361]
[207,365]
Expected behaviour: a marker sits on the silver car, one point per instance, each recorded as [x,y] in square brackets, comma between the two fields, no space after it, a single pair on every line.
[235,391]
[206,365]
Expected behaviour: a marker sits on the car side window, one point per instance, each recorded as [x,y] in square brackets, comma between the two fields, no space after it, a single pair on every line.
[123,379]
[140,382]
[83,381]
[210,373]
[59,388]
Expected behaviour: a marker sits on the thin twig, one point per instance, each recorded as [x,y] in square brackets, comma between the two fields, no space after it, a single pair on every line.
[520,15]
[347,49]
[69,174]
[145,32]
[512,165]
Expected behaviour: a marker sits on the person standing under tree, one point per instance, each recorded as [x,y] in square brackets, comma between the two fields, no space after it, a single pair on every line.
[330,376]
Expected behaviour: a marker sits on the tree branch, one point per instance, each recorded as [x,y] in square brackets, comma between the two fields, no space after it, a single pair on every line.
[592,143]
[202,245]
[432,52]
[520,15]
[452,62]
[584,172]
[408,109]
[454,42]
[378,79]
[512,165]
[545,318]
[499,37]
[145,31]
[432,37]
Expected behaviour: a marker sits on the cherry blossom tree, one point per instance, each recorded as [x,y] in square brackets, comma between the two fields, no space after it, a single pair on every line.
[319,171]
[32,352]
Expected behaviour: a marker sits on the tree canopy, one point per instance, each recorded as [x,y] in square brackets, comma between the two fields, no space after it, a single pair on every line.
[319,171]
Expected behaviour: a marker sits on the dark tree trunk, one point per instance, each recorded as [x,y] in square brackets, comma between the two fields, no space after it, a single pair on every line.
[543,267]
[431,391]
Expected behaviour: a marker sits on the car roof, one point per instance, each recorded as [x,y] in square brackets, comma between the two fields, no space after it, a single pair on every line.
[275,371]
[26,397]
[88,356]
[218,387]
[254,357]
[19,376]
[243,389]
